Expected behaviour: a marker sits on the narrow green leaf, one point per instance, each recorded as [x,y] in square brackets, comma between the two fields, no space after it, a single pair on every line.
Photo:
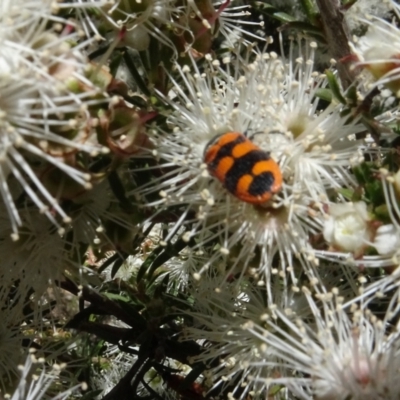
[119,297]
[303,26]
[334,86]
[345,112]
[169,252]
[282,16]
[382,213]
[317,36]
[324,94]
[264,6]
[351,95]
[161,288]
[115,63]
[346,193]
[309,10]
[148,262]
[108,262]
[130,63]
[119,191]
[117,265]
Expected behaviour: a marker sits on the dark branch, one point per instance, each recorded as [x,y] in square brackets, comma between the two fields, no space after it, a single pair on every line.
[337,37]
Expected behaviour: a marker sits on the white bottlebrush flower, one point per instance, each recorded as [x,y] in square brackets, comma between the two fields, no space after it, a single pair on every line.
[85,11]
[347,227]
[230,16]
[364,9]
[126,272]
[14,329]
[333,355]
[114,367]
[378,50]
[218,315]
[45,119]
[141,19]
[333,276]
[170,22]
[181,269]
[349,230]
[277,101]
[39,255]
[88,211]
[34,385]
[387,239]
[115,364]
[98,220]
[386,242]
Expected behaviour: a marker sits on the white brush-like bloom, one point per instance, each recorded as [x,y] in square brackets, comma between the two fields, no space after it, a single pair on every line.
[45,119]
[34,385]
[116,364]
[98,220]
[378,50]
[109,374]
[141,19]
[218,315]
[384,239]
[387,239]
[170,22]
[333,355]
[276,100]
[349,230]
[347,226]
[366,8]
[86,13]
[229,15]
[39,255]
[386,242]
[14,329]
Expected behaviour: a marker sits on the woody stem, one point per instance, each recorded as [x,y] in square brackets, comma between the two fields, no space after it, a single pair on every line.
[337,37]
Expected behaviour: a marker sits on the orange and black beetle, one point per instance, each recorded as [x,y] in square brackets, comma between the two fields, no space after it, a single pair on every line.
[245,170]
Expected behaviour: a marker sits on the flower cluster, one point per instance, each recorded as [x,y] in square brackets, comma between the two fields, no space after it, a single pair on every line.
[210,217]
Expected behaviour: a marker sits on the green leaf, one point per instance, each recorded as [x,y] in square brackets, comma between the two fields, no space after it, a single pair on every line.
[374,192]
[119,191]
[324,94]
[161,288]
[362,173]
[316,36]
[274,390]
[282,16]
[115,63]
[382,213]
[304,26]
[171,250]
[148,262]
[108,262]
[334,86]
[130,63]
[117,265]
[264,6]
[346,193]
[309,9]
[119,297]
[345,112]
[351,96]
